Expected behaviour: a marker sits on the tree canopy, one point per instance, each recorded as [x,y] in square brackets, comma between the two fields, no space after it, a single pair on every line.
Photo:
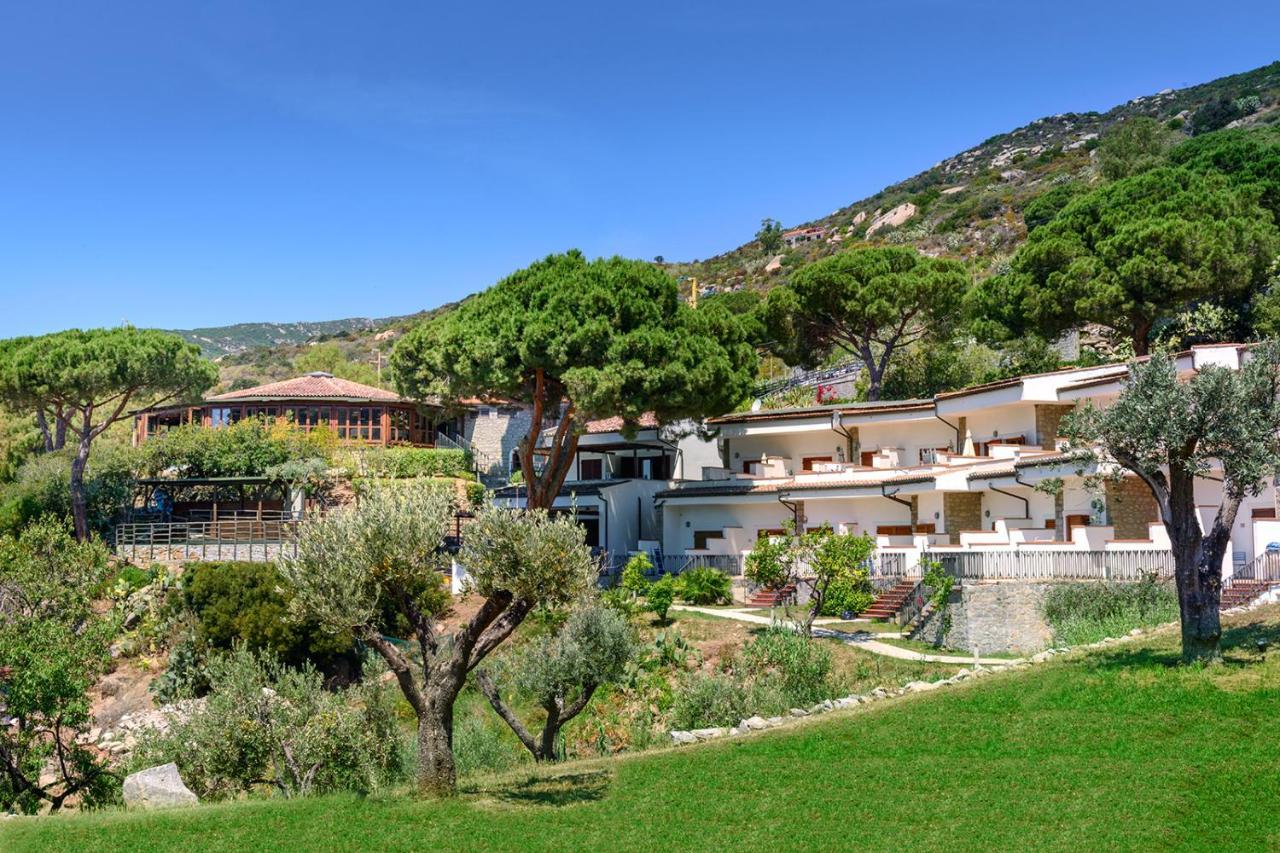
[1131,254]
[575,340]
[87,379]
[867,302]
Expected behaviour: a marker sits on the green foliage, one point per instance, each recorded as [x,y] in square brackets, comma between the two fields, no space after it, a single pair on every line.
[264,724]
[1082,613]
[634,573]
[866,302]
[43,487]
[789,665]
[1217,114]
[708,699]
[770,236]
[328,357]
[1132,147]
[610,336]
[703,585]
[661,595]
[410,462]
[477,495]
[770,563]
[1130,254]
[1041,209]
[53,648]
[939,584]
[850,591]
[252,447]
[1246,158]
[248,604]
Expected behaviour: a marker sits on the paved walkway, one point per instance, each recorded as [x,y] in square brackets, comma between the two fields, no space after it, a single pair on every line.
[862,639]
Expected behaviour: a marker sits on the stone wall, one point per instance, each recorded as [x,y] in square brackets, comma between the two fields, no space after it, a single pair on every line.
[1048,418]
[961,511]
[1131,508]
[1002,616]
[497,431]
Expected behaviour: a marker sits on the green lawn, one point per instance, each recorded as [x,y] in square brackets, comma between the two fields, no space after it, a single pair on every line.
[1120,749]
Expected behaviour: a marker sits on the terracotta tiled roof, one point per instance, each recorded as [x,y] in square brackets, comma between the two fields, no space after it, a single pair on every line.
[614,424]
[318,386]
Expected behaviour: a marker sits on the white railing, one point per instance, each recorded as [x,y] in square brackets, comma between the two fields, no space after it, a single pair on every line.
[1054,565]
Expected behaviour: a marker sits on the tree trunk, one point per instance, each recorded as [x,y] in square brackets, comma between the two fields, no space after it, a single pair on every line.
[79,501]
[549,731]
[59,434]
[1197,560]
[45,436]
[875,378]
[437,773]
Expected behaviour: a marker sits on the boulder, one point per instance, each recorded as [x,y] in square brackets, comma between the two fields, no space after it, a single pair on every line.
[707,734]
[755,723]
[799,712]
[680,738]
[157,787]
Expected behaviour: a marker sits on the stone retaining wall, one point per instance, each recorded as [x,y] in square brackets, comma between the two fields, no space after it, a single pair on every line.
[995,616]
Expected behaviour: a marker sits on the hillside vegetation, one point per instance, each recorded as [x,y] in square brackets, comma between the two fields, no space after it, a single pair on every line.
[1114,749]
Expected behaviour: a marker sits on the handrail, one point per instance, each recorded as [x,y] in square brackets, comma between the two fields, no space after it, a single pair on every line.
[1059,564]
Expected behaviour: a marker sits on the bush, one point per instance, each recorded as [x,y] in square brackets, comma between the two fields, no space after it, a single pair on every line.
[400,463]
[662,594]
[476,495]
[795,666]
[267,724]
[704,585]
[247,603]
[43,487]
[633,574]
[852,592]
[1087,612]
[250,447]
[705,700]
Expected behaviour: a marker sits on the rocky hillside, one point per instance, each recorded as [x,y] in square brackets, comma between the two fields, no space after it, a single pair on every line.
[972,205]
[218,341]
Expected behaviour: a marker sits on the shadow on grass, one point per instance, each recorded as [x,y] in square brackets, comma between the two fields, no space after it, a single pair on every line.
[1239,648]
[554,791]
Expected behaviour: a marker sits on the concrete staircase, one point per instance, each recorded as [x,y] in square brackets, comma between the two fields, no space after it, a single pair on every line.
[772,597]
[1244,591]
[889,602]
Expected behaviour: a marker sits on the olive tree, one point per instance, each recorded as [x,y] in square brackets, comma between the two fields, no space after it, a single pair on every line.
[53,648]
[562,672]
[869,302]
[85,381]
[1170,432]
[575,340]
[387,552]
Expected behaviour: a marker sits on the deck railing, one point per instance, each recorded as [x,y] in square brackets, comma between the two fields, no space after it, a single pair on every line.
[1054,565]
[247,539]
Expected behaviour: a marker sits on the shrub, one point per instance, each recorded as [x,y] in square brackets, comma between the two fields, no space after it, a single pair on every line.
[408,462]
[661,595]
[247,603]
[264,723]
[851,591]
[476,495]
[43,487]
[704,585]
[705,700]
[791,663]
[1088,612]
[633,574]
[250,447]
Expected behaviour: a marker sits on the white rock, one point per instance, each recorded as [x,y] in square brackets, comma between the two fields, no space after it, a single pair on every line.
[1136,632]
[707,734]
[679,738]
[157,787]
[774,721]
[754,723]
[799,712]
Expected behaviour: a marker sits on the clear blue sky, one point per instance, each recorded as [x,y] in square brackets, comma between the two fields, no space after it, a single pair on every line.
[182,164]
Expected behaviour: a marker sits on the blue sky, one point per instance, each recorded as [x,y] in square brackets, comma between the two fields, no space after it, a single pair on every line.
[187,164]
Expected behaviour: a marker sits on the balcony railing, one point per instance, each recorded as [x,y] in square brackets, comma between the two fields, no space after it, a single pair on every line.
[234,539]
[1054,565]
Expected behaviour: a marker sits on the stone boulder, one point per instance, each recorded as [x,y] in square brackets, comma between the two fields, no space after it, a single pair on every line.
[157,788]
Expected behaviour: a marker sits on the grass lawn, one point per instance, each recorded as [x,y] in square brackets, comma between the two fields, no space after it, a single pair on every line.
[930,649]
[1119,749]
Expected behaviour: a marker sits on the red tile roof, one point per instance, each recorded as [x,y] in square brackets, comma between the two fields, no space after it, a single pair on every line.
[319,386]
[614,424]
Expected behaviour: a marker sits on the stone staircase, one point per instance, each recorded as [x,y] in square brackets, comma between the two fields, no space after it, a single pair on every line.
[1243,592]
[890,602]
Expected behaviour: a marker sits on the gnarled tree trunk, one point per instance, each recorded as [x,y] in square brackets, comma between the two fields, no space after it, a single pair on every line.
[79,500]
[437,774]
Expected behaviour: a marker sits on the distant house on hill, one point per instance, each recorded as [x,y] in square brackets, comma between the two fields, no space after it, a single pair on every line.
[796,236]
[359,414]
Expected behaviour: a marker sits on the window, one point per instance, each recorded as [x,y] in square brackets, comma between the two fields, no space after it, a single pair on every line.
[220,416]
[591,469]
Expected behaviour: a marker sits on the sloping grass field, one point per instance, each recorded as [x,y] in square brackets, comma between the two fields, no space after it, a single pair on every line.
[1119,748]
